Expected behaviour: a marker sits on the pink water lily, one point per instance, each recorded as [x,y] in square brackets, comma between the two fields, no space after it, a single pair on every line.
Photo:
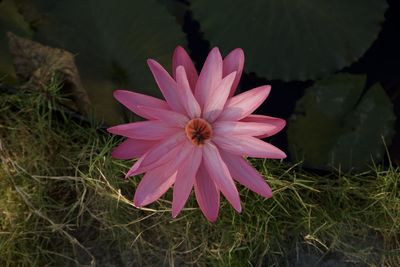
[199,135]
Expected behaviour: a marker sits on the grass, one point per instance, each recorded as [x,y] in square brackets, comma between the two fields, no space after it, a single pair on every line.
[63,202]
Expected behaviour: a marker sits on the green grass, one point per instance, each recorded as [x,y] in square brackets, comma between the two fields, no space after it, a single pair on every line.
[63,201]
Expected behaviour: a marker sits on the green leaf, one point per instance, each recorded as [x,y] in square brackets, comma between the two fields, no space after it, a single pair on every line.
[112,42]
[335,124]
[292,40]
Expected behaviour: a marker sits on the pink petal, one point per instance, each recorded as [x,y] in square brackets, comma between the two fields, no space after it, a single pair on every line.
[131,100]
[187,98]
[168,116]
[244,104]
[157,181]
[185,179]
[219,173]
[276,124]
[224,128]
[146,130]
[210,77]
[142,166]
[153,185]
[215,104]
[132,148]
[166,84]
[234,61]
[245,174]
[135,167]
[181,58]
[207,194]
[159,154]
[248,146]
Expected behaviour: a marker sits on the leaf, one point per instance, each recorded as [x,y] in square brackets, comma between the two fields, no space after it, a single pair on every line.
[292,40]
[112,43]
[176,8]
[334,124]
[36,64]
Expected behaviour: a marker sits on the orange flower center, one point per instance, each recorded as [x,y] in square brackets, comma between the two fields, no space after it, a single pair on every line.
[198,131]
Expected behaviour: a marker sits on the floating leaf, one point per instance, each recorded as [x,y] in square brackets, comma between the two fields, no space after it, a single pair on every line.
[112,42]
[335,124]
[292,40]
[176,9]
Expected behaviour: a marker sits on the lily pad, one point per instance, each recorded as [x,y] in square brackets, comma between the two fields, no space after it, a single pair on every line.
[112,42]
[292,40]
[336,125]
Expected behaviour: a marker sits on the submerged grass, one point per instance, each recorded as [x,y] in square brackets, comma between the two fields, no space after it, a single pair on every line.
[63,202]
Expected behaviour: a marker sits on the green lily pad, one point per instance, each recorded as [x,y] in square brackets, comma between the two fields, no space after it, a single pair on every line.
[112,42]
[336,125]
[292,40]
[10,20]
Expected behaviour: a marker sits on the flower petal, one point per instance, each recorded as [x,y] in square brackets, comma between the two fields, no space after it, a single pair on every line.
[210,76]
[181,58]
[248,146]
[132,148]
[219,173]
[244,104]
[161,153]
[207,194]
[245,174]
[157,181]
[187,98]
[185,179]
[224,128]
[234,61]
[131,100]
[215,104]
[166,84]
[146,130]
[168,116]
[276,124]
[142,166]
[134,167]
[153,185]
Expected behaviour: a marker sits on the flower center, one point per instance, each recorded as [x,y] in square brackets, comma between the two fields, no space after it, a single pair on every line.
[198,131]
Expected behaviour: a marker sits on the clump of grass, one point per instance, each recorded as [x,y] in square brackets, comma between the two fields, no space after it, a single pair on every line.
[63,201]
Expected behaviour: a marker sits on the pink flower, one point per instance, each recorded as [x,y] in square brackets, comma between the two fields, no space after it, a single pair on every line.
[198,137]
